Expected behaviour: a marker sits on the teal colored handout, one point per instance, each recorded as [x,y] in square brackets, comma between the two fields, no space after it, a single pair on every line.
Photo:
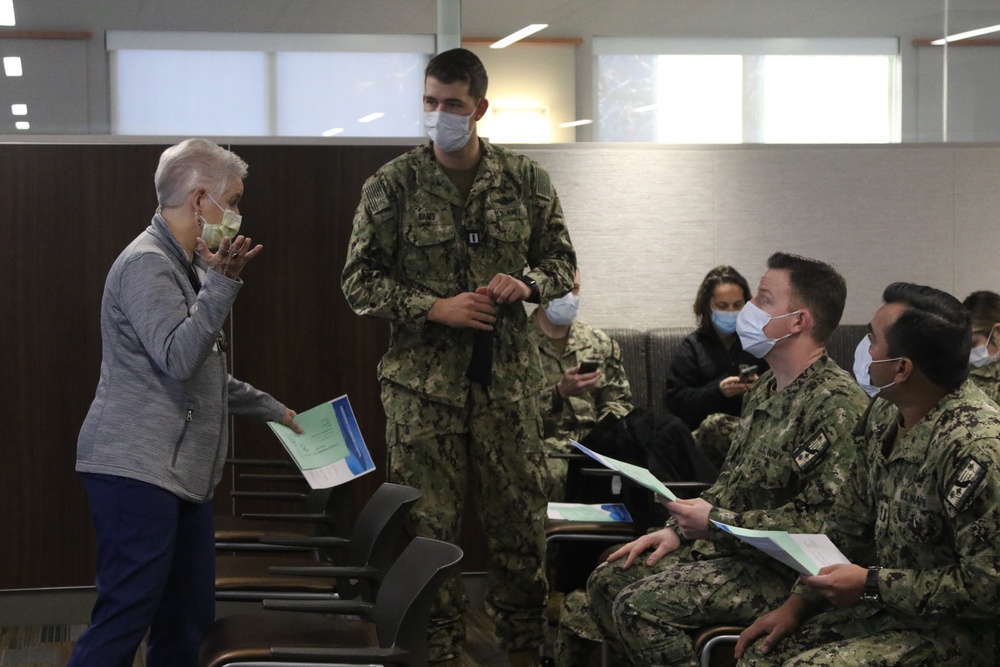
[322,442]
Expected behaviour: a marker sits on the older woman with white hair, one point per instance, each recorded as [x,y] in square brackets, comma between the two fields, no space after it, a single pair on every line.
[153,446]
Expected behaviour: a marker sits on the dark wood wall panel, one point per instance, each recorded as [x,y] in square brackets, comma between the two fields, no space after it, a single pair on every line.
[66,212]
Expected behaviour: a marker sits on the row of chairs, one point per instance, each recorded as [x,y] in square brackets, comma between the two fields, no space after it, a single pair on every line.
[333,574]
[371,607]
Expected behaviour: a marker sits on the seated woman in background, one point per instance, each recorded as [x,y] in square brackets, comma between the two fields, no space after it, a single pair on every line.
[704,377]
[984,307]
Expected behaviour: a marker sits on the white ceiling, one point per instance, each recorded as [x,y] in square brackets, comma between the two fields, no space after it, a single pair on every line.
[492,18]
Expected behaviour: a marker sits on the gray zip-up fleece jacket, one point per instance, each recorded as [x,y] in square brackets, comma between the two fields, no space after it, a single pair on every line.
[161,410]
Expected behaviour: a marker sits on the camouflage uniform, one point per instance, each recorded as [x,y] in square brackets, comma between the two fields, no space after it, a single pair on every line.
[930,503]
[416,240]
[575,416]
[987,378]
[789,460]
[714,436]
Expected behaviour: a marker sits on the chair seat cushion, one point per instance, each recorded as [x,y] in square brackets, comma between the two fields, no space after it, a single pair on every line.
[246,637]
[251,573]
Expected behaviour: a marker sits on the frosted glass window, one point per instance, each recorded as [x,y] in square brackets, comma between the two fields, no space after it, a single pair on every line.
[190,92]
[827,99]
[700,99]
[317,92]
[748,91]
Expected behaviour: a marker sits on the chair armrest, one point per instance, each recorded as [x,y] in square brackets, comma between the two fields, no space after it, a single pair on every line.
[326,571]
[269,477]
[268,495]
[300,517]
[264,463]
[353,607]
[361,655]
[324,542]
[568,456]
[261,547]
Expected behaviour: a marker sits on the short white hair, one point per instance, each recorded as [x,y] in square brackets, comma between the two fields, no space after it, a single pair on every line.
[195,163]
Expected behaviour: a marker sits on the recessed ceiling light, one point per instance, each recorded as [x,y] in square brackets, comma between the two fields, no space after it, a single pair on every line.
[19,109]
[333,131]
[519,35]
[22,125]
[12,66]
[966,35]
[370,117]
[576,123]
[644,109]
[6,12]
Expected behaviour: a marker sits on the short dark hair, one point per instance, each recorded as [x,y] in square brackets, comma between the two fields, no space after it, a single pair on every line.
[720,275]
[460,65]
[933,332]
[984,309]
[817,286]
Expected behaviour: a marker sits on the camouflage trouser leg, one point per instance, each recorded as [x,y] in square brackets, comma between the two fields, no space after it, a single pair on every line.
[577,634]
[609,579]
[714,436]
[654,616]
[840,639]
[495,451]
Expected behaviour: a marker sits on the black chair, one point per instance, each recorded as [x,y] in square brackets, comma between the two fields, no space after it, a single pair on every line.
[320,514]
[359,561]
[390,631]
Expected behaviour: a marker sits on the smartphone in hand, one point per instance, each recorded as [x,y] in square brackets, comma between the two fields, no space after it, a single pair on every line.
[589,366]
[747,373]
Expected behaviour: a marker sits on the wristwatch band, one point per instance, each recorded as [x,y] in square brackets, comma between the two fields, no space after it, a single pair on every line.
[871,594]
[534,297]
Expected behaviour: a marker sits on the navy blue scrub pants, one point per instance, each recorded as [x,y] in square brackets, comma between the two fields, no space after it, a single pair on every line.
[155,571]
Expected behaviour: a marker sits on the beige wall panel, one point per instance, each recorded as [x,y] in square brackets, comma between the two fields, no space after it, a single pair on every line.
[877,214]
[641,221]
[649,222]
[977,220]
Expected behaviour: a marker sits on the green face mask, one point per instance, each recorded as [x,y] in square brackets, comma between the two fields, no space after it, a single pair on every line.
[230,226]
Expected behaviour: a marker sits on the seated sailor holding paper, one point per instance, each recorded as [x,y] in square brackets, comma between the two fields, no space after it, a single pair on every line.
[791,454]
[925,495]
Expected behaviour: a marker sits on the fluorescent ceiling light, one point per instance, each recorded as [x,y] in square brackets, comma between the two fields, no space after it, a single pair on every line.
[520,34]
[644,109]
[370,117]
[22,125]
[333,131]
[6,12]
[966,35]
[19,109]
[576,123]
[12,66]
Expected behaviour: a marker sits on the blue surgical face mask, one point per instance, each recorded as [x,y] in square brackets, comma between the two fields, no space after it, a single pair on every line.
[562,311]
[725,320]
[230,226]
[862,367]
[449,131]
[750,325]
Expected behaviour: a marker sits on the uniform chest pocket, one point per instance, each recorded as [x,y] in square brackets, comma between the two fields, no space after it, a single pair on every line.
[923,524]
[508,223]
[428,229]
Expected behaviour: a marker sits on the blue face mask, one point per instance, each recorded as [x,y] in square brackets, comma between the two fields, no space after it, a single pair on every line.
[725,320]
[562,311]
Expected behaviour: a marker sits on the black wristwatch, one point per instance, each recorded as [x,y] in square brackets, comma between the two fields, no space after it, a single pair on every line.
[871,595]
[533,286]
